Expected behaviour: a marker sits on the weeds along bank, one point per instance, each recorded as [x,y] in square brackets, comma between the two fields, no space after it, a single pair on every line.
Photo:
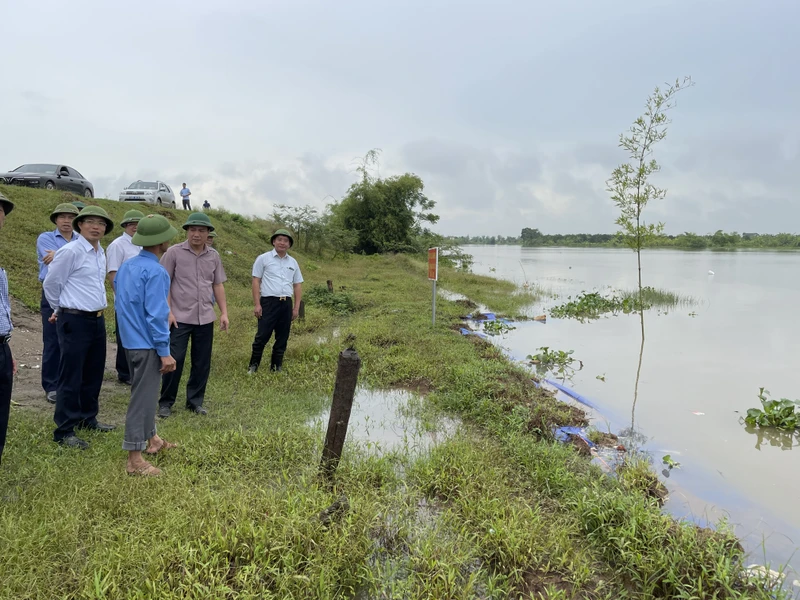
[496,511]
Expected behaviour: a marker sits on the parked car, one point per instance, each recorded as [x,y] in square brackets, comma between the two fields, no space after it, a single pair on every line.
[151,192]
[49,177]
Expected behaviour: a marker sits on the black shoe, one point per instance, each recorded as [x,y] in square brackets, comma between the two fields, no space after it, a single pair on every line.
[275,368]
[124,381]
[164,411]
[73,441]
[198,410]
[101,427]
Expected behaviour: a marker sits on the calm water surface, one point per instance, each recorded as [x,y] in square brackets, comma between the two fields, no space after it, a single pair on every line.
[745,335]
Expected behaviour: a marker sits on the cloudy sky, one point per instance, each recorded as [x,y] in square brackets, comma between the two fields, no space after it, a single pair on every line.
[509,110]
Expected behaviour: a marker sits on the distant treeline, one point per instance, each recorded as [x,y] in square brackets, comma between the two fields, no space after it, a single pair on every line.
[692,241]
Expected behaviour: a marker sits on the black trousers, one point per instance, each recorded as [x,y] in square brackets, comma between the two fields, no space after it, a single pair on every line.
[80,372]
[202,337]
[51,351]
[187,204]
[122,364]
[276,315]
[6,382]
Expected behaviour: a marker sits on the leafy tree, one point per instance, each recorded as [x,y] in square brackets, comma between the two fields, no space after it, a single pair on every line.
[387,215]
[304,221]
[631,190]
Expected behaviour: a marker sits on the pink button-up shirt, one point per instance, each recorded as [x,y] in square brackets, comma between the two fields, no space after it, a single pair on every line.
[191,276]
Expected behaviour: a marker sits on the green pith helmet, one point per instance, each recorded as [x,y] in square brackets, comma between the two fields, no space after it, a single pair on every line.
[198,219]
[282,232]
[67,208]
[132,216]
[92,211]
[79,204]
[212,234]
[8,205]
[152,231]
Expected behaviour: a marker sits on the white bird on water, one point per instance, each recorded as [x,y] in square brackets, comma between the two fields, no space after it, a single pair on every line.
[710,272]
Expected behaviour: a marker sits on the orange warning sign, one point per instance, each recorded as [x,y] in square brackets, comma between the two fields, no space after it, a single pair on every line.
[433,264]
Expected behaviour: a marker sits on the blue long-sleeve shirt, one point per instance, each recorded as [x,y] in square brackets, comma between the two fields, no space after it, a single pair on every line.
[142,287]
[47,241]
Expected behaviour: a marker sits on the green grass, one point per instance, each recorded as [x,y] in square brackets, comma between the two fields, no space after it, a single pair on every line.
[659,298]
[498,510]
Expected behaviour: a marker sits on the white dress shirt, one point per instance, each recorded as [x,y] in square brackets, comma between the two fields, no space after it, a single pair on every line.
[278,275]
[120,250]
[76,277]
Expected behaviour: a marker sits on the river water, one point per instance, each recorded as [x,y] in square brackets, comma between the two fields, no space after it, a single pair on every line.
[703,366]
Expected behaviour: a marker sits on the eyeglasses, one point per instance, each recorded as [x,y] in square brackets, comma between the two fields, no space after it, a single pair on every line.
[98,222]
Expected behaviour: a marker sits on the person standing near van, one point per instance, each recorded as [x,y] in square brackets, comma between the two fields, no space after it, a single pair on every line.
[46,246]
[185,193]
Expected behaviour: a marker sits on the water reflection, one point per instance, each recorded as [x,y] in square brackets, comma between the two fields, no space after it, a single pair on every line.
[785,440]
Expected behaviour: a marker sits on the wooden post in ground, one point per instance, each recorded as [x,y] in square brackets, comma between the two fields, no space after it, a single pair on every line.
[330,285]
[343,392]
[301,312]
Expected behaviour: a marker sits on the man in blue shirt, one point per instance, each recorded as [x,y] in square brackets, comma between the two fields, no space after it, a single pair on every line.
[185,193]
[75,288]
[141,291]
[8,366]
[46,246]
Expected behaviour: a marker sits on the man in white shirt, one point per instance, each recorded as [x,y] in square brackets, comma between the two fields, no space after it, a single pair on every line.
[185,193]
[118,251]
[276,279]
[75,289]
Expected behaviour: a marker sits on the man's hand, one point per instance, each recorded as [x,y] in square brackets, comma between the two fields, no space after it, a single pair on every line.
[53,318]
[13,366]
[223,322]
[168,364]
[48,257]
[257,311]
[295,312]
[172,321]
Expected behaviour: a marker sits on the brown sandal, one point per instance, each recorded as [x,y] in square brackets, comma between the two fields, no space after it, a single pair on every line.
[146,470]
[165,445]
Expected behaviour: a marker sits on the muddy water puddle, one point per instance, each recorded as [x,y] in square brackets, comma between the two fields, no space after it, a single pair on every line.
[384,421]
[702,368]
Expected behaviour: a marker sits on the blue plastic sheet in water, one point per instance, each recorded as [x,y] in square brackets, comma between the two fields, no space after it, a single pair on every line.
[562,434]
[465,331]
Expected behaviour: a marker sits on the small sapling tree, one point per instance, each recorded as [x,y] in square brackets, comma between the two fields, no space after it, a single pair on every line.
[631,189]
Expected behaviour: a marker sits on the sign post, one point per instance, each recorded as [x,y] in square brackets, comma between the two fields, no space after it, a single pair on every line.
[433,274]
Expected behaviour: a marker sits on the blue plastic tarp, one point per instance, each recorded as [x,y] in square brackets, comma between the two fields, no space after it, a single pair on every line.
[573,394]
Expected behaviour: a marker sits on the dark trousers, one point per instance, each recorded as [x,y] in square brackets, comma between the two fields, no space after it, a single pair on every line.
[202,337]
[186,204]
[6,381]
[80,372]
[51,351]
[276,315]
[123,365]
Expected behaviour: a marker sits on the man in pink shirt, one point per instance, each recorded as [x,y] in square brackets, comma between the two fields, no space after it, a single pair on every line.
[196,282]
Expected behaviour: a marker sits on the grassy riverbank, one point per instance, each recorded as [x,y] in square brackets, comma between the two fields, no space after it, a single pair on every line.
[497,510]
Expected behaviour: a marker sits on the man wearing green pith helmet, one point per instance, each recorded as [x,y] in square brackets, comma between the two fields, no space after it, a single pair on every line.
[46,246]
[196,280]
[276,282]
[119,251]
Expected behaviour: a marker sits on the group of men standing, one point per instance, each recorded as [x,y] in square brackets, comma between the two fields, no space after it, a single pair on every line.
[164,298]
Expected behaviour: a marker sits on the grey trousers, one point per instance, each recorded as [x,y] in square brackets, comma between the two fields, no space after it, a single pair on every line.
[140,422]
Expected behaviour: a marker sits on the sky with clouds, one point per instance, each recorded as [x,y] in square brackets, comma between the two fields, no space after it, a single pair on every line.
[509,110]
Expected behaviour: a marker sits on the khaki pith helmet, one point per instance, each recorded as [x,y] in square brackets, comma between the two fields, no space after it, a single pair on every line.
[66,208]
